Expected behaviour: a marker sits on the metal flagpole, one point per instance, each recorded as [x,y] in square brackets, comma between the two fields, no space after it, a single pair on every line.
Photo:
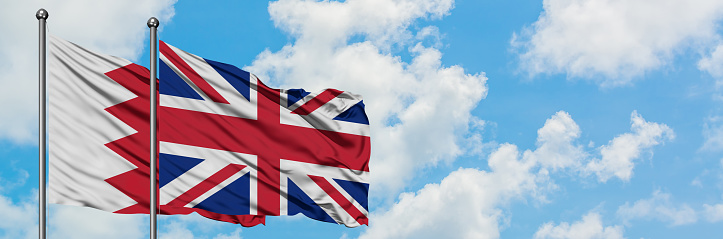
[153,25]
[42,16]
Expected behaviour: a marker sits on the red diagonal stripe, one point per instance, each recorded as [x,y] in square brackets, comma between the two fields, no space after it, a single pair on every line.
[316,102]
[205,185]
[191,74]
[135,149]
[340,199]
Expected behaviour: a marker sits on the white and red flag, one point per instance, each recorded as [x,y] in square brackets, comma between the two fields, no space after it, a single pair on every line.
[230,148]
[99,134]
[231,145]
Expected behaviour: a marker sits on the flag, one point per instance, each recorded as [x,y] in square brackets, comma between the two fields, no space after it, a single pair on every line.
[229,144]
[99,134]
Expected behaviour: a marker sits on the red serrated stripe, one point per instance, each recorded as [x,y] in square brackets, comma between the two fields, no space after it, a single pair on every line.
[135,149]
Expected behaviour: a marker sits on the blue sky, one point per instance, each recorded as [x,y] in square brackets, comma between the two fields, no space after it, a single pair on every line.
[490,119]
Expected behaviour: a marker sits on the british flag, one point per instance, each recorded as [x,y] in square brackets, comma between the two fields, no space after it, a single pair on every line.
[99,134]
[231,145]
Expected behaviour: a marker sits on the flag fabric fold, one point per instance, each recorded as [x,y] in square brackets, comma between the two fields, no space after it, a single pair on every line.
[98,131]
[229,144]
[79,92]
[230,148]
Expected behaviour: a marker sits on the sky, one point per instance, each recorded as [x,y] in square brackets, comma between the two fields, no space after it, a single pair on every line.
[489,119]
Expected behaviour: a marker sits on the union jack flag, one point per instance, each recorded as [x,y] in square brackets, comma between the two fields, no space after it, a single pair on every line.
[98,134]
[230,145]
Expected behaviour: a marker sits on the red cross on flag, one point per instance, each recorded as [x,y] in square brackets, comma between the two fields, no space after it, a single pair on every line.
[230,148]
[98,133]
[231,145]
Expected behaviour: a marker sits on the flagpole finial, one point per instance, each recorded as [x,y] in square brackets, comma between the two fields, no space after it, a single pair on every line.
[152,22]
[41,14]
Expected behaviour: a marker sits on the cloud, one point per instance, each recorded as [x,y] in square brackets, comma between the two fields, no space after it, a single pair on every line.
[556,143]
[470,203]
[116,28]
[19,180]
[464,205]
[19,219]
[658,207]
[557,147]
[713,64]
[419,109]
[615,39]
[590,227]
[236,234]
[188,226]
[331,23]
[713,134]
[713,213]
[618,155]
[176,230]
[83,222]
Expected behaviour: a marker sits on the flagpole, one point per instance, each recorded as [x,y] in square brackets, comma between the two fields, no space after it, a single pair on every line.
[42,16]
[153,25]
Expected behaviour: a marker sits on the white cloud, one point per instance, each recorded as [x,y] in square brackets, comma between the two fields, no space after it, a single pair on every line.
[464,205]
[619,154]
[236,234]
[714,213]
[696,182]
[555,142]
[19,219]
[419,110]
[713,64]
[331,23]
[176,230]
[616,39]
[590,227]
[114,27]
[195,226]
[18,181]
[713,134]
[469,203]
[658,207]
[83,222]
